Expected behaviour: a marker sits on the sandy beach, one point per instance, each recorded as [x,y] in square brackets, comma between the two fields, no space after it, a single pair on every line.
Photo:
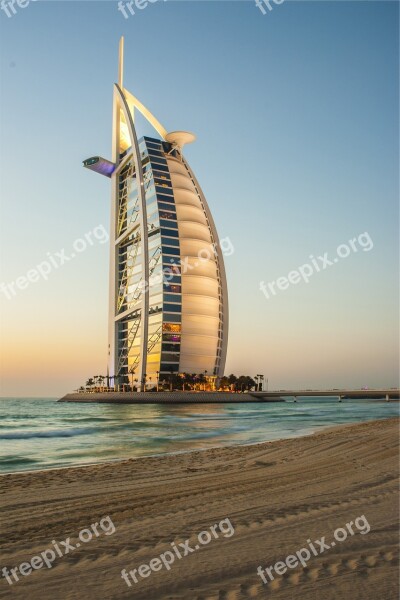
[275,496]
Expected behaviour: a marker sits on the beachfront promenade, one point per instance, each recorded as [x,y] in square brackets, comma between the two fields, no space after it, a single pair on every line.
[179,397]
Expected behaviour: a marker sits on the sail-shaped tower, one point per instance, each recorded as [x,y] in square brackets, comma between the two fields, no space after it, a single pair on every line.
[168,302]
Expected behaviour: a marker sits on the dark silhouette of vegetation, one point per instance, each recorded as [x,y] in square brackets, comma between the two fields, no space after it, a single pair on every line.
[177,381]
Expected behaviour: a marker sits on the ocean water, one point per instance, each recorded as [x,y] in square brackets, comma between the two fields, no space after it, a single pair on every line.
[41,433]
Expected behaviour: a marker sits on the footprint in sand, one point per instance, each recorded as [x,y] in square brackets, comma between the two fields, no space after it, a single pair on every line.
[351,564]
[313,574]
[228,595]
[253,591]
[294,578]
[333,568]
[388,556]
[275,584]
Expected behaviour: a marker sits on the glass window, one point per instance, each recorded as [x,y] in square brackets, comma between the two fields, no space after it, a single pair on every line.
[169,224]
[164,191]
[174,268]
[162,198]
[150,196]
[170,357]
[154,152]
[171,280]
[172,327]
[170,232]
[169,241]
[171,347]
[172,307]
[172,318]
[154,241]
[156,298]
[168,287]
[152,218]
[157,161]
[170,215]
[172,298]
[159,167]
[151,140]
[168,207]
[163,177]
[171,337]
[165,183]
[169,368]
[174,251]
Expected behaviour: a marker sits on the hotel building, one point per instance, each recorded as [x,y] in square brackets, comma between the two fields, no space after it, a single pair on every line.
[168,303]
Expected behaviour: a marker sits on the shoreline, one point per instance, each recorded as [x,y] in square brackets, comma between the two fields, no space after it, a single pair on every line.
[214,397]
[197,450]
[276,495]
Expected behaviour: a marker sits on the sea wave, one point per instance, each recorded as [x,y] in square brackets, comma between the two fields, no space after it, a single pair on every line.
[54,433]
[17,460]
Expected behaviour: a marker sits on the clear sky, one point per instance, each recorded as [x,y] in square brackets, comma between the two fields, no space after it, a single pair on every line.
[296,113]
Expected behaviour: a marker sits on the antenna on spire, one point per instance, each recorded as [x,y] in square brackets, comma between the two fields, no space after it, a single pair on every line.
[121,63]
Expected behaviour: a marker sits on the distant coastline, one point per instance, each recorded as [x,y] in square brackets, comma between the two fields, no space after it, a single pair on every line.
[180,397]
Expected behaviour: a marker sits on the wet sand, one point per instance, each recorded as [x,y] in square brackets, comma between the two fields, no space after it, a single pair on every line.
[276,495]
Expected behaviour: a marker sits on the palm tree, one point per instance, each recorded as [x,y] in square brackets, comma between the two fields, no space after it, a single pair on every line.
[224,382]
[132,372]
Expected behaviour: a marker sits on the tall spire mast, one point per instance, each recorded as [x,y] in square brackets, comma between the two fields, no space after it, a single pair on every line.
[121,63]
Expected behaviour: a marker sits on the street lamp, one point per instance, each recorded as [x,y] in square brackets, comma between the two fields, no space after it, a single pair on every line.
[158,377]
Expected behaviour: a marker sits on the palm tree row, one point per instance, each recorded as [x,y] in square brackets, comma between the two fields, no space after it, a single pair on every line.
[181,381]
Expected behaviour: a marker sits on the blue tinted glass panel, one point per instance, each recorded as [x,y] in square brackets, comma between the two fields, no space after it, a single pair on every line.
[172,298]
[170,347]
[168,287]
[172,318]
[173,307]
[162,167]
[165,206]
[170,241]
[170,233]
[163,190]
[165,368]
[172,280]
[168,250]
[163,199]
[170,215]
[169,224]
